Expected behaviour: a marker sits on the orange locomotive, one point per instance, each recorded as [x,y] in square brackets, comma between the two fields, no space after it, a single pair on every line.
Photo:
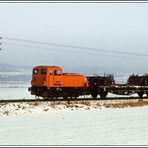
[49,82]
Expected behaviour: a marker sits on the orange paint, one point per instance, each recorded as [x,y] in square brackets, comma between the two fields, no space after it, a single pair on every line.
[52,76]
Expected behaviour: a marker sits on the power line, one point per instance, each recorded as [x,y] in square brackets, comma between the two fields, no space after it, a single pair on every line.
[60,50]
[77,47]
[26,46]
[73,51]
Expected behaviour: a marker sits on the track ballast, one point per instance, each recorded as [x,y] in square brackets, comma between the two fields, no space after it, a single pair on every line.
[73,99]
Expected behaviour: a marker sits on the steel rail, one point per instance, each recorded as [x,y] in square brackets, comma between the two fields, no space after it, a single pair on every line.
[73,99]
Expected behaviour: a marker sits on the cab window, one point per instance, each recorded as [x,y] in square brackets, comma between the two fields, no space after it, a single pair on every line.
[35,71]
[57,72]
[51,72]
[43,71]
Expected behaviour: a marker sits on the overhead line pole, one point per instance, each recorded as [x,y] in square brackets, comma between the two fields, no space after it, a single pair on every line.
[0,43]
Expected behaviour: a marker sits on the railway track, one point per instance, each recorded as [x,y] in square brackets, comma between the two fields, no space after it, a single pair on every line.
[78,99]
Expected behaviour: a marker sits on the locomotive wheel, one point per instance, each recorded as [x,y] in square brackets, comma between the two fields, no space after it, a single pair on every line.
[140,94]
[65,97]
[103,94]
[147,94]
[47,98]
[75,97]
[94,95]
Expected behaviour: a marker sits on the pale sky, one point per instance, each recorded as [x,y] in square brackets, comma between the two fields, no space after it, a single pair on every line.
[108,26]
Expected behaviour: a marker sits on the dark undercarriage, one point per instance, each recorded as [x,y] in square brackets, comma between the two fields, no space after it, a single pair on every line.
[56,92]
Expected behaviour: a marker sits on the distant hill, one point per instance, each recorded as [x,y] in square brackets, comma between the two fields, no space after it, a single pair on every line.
[15,73]
[86,69]
[14,68]
[76,69]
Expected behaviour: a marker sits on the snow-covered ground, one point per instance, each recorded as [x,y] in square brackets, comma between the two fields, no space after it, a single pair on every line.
[77,124]
[15,93]
[50,124]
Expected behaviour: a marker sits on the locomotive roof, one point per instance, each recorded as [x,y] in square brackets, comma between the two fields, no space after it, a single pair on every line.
[45,66]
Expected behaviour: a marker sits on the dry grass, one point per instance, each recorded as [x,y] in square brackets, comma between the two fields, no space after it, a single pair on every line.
[98,105]
[87,103]
[54,104]
[6,113]
[36,103]
[125,104]
[46,109]
[70,104]
[78,104]
[23,107]
[2,104]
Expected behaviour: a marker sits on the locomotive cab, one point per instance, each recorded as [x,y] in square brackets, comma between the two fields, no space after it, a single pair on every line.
[44,76]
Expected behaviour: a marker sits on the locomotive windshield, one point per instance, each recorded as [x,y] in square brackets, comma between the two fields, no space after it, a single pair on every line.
[50,72]
[57,72]
[35,71]
[43,71]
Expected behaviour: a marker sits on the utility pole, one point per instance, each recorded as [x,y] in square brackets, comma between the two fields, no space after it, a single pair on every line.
[0,43]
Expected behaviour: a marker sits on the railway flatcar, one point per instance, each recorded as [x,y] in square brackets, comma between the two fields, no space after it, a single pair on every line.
[50,82]
[97,85]
[139,80]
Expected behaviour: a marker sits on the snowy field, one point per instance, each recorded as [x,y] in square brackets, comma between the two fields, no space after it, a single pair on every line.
[80,124]
[49,124]
[15,93]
